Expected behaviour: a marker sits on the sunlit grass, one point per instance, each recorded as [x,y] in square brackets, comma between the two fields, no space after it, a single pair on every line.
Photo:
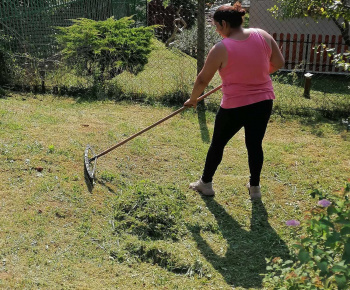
[51,221]
[169,75]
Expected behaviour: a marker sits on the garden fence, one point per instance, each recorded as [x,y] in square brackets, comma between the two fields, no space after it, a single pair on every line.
[179,52]
[303,51]
[32,23]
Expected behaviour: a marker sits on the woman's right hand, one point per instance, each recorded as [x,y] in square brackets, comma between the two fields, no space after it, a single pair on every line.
[191,103]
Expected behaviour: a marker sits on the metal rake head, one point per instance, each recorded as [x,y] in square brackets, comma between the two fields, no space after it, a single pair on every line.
[90,161]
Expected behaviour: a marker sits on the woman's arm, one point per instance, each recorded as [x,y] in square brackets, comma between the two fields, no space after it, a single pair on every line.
[276,59]
[213,62]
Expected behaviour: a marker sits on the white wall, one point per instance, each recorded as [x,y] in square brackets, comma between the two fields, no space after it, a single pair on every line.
[261,18]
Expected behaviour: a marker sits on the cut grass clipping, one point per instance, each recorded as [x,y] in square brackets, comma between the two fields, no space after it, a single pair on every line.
[150,220]
[149,212]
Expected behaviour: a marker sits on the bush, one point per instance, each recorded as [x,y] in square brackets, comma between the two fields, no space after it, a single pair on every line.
[187,40]
[105,48]
[18,70]
[322,258]
[6,59]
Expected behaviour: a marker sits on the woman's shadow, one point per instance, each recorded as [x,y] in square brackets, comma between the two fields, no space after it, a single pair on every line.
[202,121]
[244,262]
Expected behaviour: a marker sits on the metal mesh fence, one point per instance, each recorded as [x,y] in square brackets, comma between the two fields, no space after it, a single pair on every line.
[183,38]
[31,23]
[310,78]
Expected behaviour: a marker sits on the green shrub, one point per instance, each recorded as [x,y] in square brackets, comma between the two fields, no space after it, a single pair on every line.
[340,60]
[322,257]
[18,70]
[105,48]
[187,40]
[6,59]
[3,93]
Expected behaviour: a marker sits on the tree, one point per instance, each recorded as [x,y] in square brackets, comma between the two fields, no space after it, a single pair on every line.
[337,11]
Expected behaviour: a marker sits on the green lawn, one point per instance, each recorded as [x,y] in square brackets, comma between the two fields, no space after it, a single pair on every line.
[169,75]
[141,227]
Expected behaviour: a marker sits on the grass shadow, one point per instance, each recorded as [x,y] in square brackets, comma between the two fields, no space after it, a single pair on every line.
[108,187]
[331,84]
[244,262]
[317,121]
[202,120]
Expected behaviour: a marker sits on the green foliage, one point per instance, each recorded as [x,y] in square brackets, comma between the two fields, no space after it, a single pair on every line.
[337,11]
[322,257]
[51,149]
[317,9]
[2,93]
[339,59]
[187,40]
[6,59]
[16,69]
[105,48]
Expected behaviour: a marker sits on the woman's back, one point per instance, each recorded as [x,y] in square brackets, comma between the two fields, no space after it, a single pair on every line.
[245,76]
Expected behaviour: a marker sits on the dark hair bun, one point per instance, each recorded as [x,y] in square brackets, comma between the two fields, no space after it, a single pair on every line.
[231,14]
[237,7]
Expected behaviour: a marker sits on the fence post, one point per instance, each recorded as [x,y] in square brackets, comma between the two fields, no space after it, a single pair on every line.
[307,85]
[200,39]
[306,52]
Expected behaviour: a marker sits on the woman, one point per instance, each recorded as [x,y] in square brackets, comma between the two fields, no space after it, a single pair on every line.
[245,58]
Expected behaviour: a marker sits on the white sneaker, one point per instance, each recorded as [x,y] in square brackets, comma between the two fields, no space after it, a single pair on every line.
[254,191]
[203,188]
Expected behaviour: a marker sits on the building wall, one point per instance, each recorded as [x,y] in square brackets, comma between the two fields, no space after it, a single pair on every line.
[260,17]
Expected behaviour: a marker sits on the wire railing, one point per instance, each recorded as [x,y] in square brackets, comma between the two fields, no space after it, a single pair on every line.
[174,62]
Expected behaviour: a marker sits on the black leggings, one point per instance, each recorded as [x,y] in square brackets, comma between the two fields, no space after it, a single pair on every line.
[228,122]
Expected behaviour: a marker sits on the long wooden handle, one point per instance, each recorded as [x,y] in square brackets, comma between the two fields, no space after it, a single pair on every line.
[153,125]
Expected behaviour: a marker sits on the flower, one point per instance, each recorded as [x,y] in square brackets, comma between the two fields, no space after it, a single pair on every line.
[324,203]
[293,223]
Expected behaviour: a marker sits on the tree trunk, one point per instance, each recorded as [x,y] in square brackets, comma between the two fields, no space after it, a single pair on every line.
[344,30]
[200,40]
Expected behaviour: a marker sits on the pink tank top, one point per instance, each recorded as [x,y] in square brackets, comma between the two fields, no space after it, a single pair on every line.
[245,78]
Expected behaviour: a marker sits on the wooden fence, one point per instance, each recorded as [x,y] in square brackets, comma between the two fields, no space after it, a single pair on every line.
[303,52]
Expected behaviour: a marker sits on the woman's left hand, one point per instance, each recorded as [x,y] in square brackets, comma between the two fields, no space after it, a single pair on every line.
[190,103]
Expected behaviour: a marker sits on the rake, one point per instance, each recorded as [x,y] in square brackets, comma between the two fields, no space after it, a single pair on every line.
[90,158]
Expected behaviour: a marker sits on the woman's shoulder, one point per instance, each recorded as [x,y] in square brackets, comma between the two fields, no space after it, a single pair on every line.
[262,32]
[220,45]
[265,35]
[218,51]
